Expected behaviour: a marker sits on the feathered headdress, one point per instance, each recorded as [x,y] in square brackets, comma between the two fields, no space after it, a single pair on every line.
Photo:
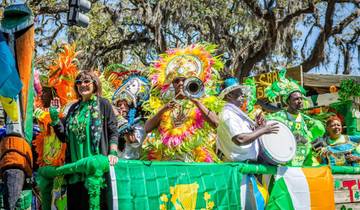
[135,90]
[193,61]
[62,74]
[116,74]
[283,87]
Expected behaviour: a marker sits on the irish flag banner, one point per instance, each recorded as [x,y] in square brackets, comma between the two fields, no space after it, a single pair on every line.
[302,189]
[175,185]
[206,186]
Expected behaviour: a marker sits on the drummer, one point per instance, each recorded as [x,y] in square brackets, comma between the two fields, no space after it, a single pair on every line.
[304,128]
[236,135]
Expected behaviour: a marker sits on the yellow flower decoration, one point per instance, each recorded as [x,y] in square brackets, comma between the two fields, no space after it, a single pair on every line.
[163,207]
[211,204]
[155,103]
[164,198]
[207,196]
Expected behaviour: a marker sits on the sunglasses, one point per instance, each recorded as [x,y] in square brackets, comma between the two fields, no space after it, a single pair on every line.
[86,81]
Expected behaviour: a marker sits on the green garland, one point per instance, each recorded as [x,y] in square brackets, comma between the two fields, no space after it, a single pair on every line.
[348,89]
[93,167]
[265,169]
[251,100]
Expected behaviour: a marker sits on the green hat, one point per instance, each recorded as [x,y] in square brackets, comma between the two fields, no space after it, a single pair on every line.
[251,97]
[16,17]
[283,88]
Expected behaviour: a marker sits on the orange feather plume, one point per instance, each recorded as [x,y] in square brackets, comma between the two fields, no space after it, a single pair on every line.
[63,72]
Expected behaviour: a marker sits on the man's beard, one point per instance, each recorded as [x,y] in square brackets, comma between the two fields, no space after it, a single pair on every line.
[298,107]
[240,101]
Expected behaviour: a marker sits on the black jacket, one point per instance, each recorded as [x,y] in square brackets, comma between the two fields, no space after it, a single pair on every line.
[109,123]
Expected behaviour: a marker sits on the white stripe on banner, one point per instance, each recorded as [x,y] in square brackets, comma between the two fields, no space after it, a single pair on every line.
[243,189]
[297,185]
[114,188]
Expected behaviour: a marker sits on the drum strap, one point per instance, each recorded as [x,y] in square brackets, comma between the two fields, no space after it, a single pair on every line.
[290,117]
[240,113]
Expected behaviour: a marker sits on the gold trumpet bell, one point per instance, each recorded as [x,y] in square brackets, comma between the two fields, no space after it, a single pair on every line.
[193,87]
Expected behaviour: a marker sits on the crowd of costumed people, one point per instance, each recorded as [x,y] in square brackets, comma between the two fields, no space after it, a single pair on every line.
[184,107]
[181,108]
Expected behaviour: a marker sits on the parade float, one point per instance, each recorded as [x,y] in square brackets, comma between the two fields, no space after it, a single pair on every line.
[145,184]
[17,98]
[152,184]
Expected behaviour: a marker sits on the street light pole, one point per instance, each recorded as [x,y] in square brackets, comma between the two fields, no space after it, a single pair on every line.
[76,13]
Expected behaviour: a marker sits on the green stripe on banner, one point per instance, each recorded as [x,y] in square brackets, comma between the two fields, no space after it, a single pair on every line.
[280,197]
[172,185]
[345,170]
[28,124]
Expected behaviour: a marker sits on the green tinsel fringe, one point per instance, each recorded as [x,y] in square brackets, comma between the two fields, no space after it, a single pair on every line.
[93,167]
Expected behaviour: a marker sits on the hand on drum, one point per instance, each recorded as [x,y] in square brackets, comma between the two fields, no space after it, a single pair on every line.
[271,128]
[260,119]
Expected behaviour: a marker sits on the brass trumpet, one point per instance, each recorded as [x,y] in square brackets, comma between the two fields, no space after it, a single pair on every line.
[193,87]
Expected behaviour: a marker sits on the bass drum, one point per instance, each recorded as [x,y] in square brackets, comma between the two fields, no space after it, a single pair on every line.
[280,148]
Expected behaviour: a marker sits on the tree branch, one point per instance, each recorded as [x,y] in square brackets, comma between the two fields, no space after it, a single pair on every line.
[56,32]
[286,20]
[348,1]
[52,10]
[254,7]
[340,27]
[118,45]
[317,54]
[305,41]
[244,67]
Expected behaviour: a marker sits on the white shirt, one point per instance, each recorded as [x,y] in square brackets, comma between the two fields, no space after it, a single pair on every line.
[232,123]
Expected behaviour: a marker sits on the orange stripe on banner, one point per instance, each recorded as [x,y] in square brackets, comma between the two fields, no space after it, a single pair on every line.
[320,181]
[25,45]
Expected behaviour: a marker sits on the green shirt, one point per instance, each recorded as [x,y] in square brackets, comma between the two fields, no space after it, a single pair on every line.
[79,136]
[303,127]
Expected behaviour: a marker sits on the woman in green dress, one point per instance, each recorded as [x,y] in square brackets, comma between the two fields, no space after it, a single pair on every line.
[89,128]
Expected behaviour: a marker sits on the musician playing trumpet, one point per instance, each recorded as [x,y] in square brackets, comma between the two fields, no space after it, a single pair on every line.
[236,135]
[183,106]
[179,109]
[179,106]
